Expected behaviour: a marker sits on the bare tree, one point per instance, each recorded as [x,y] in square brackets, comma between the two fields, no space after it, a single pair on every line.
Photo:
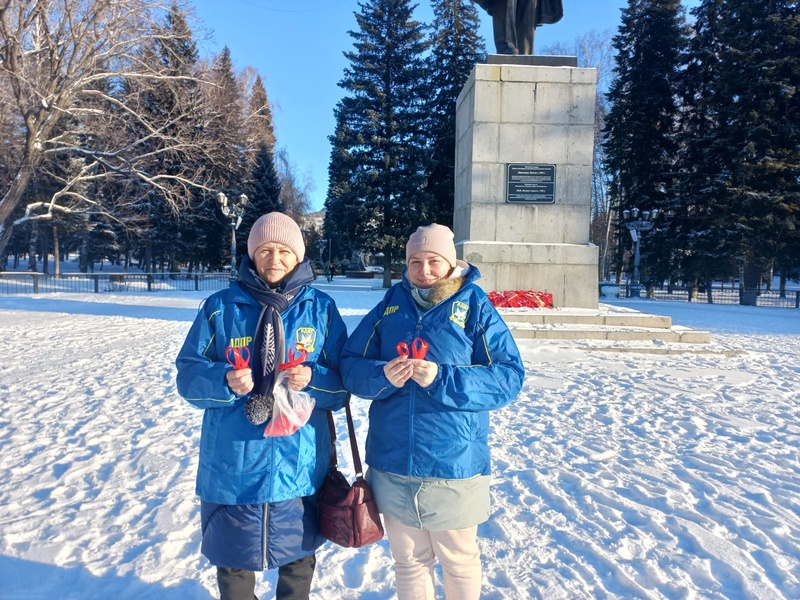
[66,64]
[295,193]
[594,50]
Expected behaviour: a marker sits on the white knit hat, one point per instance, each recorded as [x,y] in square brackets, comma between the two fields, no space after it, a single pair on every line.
[433,238]
[276,227]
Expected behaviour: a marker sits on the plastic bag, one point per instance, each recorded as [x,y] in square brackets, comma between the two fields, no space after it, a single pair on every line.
[290,411]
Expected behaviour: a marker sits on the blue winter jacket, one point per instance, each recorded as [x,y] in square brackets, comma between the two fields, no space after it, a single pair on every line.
[439,431]
[258,493]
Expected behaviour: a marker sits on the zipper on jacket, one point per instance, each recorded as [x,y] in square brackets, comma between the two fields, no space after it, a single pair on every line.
[265,510]
[413,399]
[264,531]
[412,402]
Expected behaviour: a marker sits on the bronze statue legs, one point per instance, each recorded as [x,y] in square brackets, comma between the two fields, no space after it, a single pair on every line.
[514,23]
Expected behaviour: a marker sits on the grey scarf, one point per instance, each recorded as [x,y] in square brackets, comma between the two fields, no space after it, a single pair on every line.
[270,343]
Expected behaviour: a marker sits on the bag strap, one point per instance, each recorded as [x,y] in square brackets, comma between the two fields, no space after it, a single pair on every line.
[351,430]
[332,427]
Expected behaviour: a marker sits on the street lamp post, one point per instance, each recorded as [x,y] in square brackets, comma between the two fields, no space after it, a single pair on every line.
[637,225]
[234,212]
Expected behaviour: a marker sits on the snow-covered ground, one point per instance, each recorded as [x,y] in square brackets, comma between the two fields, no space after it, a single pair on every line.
[616,475]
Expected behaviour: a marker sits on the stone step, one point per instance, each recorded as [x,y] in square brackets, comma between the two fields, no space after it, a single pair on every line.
[577,318]
[576,332]
[605,324]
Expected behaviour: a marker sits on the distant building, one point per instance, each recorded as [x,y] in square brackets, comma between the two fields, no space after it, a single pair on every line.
[314,220]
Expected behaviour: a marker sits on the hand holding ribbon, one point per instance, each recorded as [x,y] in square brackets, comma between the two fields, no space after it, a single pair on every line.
[297,374]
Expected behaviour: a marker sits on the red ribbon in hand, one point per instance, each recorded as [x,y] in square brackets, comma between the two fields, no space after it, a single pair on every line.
[419,348]
[238,358]
[295,358]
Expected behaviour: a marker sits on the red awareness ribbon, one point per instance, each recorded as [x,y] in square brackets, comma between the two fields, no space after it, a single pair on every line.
[419,348]
[297,355]
[238,358]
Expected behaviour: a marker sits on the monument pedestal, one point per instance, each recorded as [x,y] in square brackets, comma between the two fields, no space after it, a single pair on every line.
[520,233]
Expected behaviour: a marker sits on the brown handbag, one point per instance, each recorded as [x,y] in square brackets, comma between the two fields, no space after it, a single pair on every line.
[348,515]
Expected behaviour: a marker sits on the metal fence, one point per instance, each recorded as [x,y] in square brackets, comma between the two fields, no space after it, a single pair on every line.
[12,282]
[718,295]
[23,282]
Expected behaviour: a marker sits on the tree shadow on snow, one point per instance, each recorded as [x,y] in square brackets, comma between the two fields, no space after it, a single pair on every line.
[105,309]
[28,580]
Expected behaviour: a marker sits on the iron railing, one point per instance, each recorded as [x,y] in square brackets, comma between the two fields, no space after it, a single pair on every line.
[24,282]
[718,295]
[13,282]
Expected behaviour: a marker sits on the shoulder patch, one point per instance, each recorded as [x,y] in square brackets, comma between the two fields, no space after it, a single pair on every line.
[306,338]
[459,313]
[390,309]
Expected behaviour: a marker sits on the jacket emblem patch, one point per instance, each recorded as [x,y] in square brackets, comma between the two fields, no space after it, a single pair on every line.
[459,313]
[306,338]
[389,310]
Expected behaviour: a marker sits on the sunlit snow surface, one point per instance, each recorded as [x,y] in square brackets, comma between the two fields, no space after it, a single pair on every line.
[615,475]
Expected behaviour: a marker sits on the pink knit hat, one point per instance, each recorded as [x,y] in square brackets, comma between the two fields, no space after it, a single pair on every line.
[432,238]
[276,227]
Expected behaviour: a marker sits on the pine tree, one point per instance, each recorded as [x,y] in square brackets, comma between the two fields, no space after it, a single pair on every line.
[697,205]
[226,170]
[381,128]
[758,138]
[346,219]
[179,55]
[173,105]
[640,128]
[457,48]
[263,195]
[258,124]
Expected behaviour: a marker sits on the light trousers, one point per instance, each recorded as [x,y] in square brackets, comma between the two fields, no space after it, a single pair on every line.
[415,550]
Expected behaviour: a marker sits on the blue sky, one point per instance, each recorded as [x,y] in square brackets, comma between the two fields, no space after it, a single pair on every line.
[297,47]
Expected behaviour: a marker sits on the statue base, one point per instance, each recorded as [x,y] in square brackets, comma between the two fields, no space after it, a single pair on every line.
[532,60]
[517,124]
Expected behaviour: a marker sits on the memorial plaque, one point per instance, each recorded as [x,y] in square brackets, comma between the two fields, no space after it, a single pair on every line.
[528,183]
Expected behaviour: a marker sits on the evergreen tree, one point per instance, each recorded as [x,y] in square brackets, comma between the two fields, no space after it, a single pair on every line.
[102,242]
[263,195]
[640,127]
[381,127]
[226,170]
[172,104]
[457,47]
[224,100]
[758,135]
[697,207]
[258,123]
[178,53]
[347,222]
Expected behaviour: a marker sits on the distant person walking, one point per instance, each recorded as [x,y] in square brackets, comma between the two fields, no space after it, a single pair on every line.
[331,269]
[258,494]
[433,358]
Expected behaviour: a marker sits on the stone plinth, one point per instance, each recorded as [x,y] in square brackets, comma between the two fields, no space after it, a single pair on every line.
[527,114]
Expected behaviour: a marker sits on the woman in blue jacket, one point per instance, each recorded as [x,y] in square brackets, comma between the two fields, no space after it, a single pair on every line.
[257,493]
[434,357]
